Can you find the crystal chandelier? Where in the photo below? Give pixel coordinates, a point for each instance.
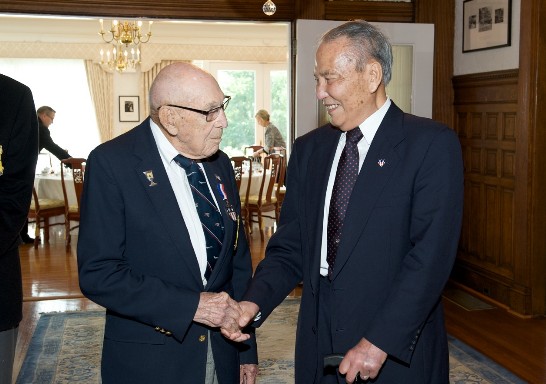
(269, 8)
(125, 38)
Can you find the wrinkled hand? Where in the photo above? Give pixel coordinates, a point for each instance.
(248, 373)
(220, 310)
(365, 358)
(248, 312)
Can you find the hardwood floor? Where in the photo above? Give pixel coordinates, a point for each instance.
(50, 284)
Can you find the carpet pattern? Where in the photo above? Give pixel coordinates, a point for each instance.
(66, 348)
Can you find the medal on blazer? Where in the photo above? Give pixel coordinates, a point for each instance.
(150, 176)
(1, 166)
(229, 208)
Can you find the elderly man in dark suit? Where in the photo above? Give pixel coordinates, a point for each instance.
(370, 224)
(148, 252)
(18, 156)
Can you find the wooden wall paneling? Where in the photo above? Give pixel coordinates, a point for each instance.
(442, 15)
(170, 9)
(532, 118)
(380, 11)
(490, 259)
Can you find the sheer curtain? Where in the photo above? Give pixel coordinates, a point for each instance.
(101, 89)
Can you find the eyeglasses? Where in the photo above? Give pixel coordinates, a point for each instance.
(210, 115)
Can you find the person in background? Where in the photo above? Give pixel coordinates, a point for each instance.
(273, 137)
(18, 156)
(147, 252)
(46, 115)
(370, 224)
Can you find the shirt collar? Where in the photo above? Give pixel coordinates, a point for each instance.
(370, 126)
(166, 149)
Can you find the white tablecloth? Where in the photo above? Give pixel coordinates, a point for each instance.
(255, 183)
(50, 187)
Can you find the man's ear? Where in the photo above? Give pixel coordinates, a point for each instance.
(168, 117)
(375, 76)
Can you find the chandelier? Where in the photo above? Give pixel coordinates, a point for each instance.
(125, 38)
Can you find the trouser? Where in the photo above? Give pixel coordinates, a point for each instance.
(210, 375)
(8, 342)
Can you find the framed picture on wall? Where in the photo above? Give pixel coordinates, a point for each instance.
(487, 24)
(129, 108)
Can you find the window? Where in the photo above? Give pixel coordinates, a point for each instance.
(252, 86)
(62, 85)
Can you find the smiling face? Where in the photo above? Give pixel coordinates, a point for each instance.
(350, 97)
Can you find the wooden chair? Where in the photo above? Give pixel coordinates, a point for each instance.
(238, 163)
(253, 149)
(43, 209)
(72, 212)
(281, 187)
(266, 199)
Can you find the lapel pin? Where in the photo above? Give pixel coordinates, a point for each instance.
(150, 176)
(381, 162)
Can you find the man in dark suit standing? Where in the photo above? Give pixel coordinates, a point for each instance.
(370, 225)
(46, 115)
(144, 247)
(18, 156)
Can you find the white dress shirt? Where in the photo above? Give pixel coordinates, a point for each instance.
(184, 197)
(369, 128)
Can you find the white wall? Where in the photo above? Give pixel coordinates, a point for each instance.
(126, 84)
(488, 60)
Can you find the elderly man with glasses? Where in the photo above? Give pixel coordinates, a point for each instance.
(161, 244)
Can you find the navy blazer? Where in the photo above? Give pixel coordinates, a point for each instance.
(136, 259)
(397, 248)
(19, 141)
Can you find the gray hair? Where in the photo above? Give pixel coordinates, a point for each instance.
(367, 41)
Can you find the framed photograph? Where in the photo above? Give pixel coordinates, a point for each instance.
(487, 24)
(129, 108)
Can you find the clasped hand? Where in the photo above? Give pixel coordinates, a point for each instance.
(221, 311)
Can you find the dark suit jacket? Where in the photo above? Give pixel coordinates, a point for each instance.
(397, 248)
(19, 141)
(47, 142)
(136, 259)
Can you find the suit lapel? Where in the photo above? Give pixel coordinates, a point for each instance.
(320, 162)
(151, 172)
(376, 171)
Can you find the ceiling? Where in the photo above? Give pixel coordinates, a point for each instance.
(26, 28)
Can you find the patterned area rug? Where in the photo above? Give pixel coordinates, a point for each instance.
(66, 348)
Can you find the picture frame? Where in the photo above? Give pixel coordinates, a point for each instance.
(129, 109)
(487, 24)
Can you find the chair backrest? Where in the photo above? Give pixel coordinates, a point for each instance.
(240, 164)
(272, 166)
(253, 148)
(279, 150)
(78, 171)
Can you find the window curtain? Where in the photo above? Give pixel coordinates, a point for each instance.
(101, 88)
(148, 78)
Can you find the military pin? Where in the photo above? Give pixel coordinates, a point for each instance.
(150, 176)
(381, 162)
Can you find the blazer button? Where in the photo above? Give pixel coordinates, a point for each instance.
(168, 333)
(202, 338)
(157, 329)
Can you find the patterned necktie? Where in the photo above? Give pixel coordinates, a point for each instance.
(347, 172)
(210, 216)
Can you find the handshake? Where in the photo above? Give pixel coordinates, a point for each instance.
(221, 311)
